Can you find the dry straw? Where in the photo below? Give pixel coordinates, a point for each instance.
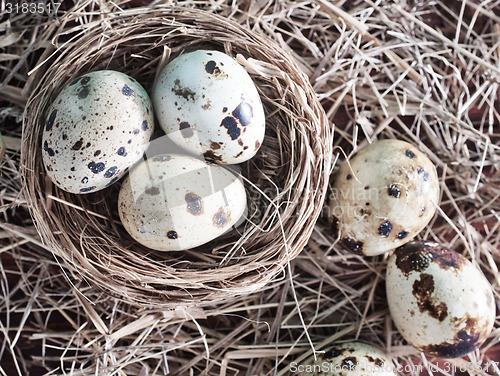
(286, 181)
(379, 72)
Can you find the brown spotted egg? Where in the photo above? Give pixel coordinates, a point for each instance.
(347, 359)
(176, 202)
(208, 104)
(96, 129)
(384, 196)
(439, 301)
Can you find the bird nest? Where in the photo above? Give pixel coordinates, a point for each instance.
(285, 182)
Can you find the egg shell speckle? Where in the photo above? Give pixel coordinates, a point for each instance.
(348, 359)
(96, 129)
(177, 202)
(384, 197)
(208, 104)
(440, 303)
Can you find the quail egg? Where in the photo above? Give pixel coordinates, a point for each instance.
(348, 359)
(96, 129)
(208, 104)
(176, 202)
(440, 302)
(384, 196)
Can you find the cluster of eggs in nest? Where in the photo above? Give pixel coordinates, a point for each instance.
(99, 127)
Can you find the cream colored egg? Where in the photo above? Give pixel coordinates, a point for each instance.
(177, 202)
(347, 359)
(384, 196)
(96, 129)
(440, 302)
(208, 104)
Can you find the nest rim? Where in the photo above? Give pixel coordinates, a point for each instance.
(297, 144)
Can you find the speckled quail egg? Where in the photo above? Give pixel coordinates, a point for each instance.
(176, 202)
(208, 104)
(348, 359)
(440, 302)
(384, 196)
(96, 129)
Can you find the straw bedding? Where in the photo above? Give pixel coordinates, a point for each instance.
(425, 72)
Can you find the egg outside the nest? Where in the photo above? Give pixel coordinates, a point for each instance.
(96, 129)
(208, 104)
(439, 301)
(176, 202)
(384, 196)
(347, 359)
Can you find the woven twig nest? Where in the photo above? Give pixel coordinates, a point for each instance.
(286, 182)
